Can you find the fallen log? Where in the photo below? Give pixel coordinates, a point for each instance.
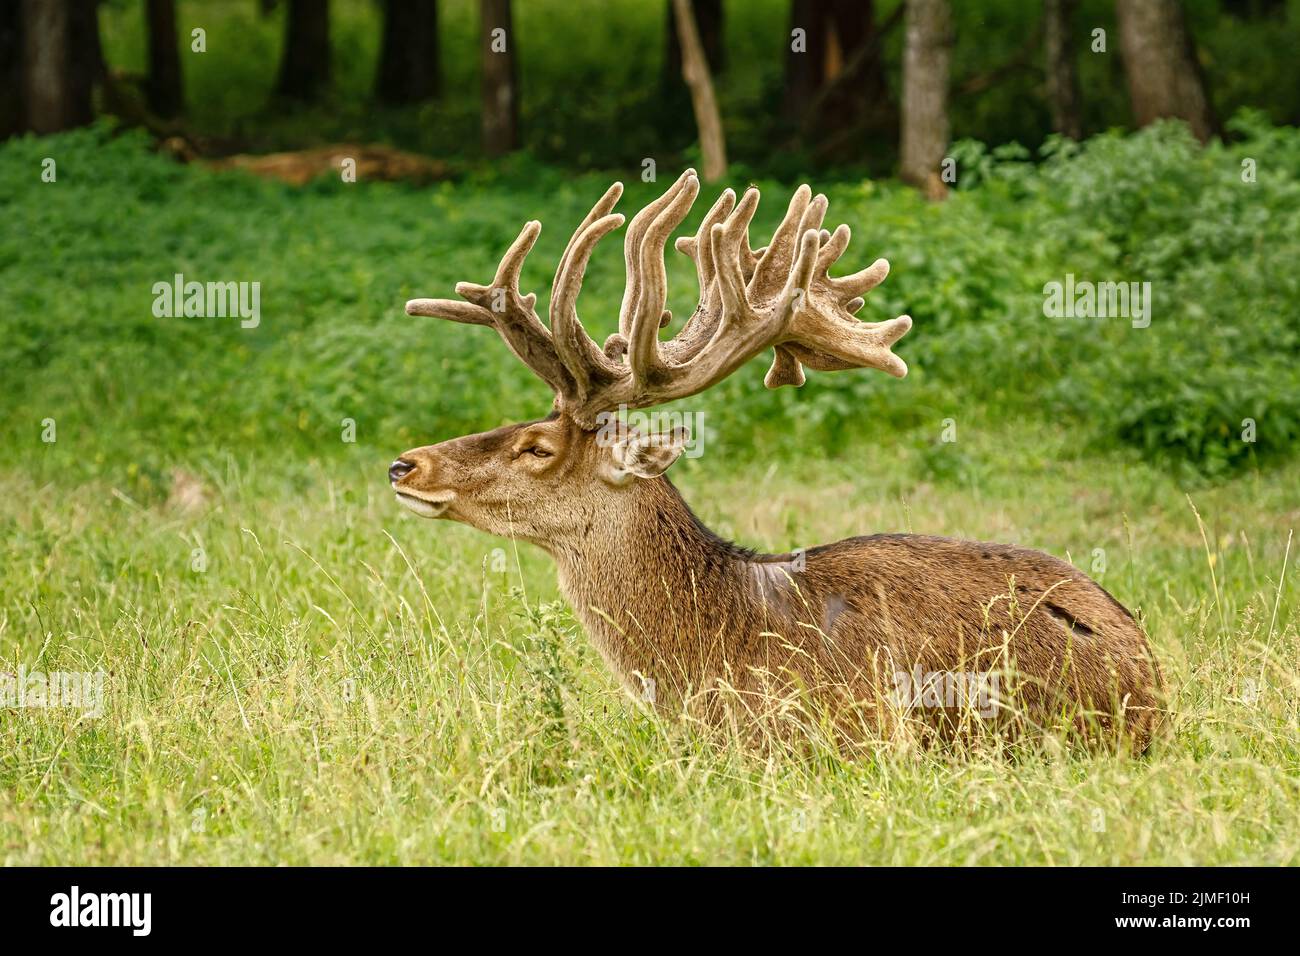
(373, 162)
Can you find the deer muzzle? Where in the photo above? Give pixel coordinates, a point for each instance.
(424, 503)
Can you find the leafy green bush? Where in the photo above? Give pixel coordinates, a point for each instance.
(1223, 346)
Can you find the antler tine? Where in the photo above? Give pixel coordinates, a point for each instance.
(726, 239)
(636, 231)
(860, 283)
(583, 358)
(604, 206)
(833, 247)
(703, 322)
(512, 263)
(773, 267)
(478, 308)
(643, 333)
(786, 368)
(830, 339)
(506, 280)
(697, 247)
(502, 307)
(576, 349)
(812, 220)
(801, 276)
(741, 331)
(838, 347)
(786, 302)
(452, 310)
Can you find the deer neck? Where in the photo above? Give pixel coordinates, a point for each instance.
(664, 598)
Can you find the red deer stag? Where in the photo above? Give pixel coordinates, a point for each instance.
(872, 632)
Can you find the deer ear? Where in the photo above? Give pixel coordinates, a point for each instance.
(636, 455)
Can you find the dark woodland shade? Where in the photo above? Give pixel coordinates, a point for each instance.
(11, 70)
(164, 82)
(836, 90)
(836, 102)
(409, 64)
(305, 65)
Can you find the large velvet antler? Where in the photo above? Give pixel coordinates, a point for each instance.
(780, 297)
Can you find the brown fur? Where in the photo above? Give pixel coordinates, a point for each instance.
(825, 633)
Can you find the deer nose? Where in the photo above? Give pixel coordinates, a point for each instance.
(400, 469)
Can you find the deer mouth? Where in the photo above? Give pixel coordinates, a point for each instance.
(426, 507)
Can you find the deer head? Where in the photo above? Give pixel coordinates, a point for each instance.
(543, 480)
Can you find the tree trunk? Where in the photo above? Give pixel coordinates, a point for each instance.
(854, 98)
(164, 84)
(851, 24)
(1062, 76)
(500, 79)
(805, 57)
(60, 63)
(837, 94)
(1164, 77)
(11, 69)
(305, 65)
(709, 20)
(928, 46)
(695, 71)
(408, 60)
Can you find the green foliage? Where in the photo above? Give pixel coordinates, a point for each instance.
(1223, 344)
(336, 261)
(1220, 252)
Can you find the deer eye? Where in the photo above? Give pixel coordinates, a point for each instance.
(537, 451)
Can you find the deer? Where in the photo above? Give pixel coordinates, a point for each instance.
(864, 636)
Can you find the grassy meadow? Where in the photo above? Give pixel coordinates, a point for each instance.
(300, 671)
